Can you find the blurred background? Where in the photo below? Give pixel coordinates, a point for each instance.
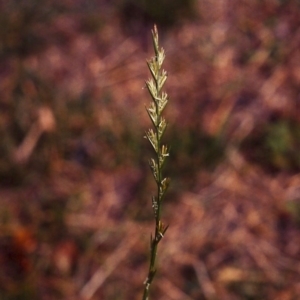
(75, 185)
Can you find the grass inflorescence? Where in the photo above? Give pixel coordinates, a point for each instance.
(159, 100)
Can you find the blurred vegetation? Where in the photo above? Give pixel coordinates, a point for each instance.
(275, 146)
(165, 13)
(74, 176)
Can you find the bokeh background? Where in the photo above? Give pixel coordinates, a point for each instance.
(75, 185)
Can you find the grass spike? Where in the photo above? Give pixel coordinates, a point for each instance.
(159, 100)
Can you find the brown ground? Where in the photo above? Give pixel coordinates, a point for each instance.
(75, 186)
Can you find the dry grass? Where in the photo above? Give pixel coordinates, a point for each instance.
(75, 208)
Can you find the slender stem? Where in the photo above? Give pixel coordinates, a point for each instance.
(160, 100)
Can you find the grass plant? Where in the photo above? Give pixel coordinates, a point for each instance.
(159, 100)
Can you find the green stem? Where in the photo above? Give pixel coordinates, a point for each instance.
(159, 98)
